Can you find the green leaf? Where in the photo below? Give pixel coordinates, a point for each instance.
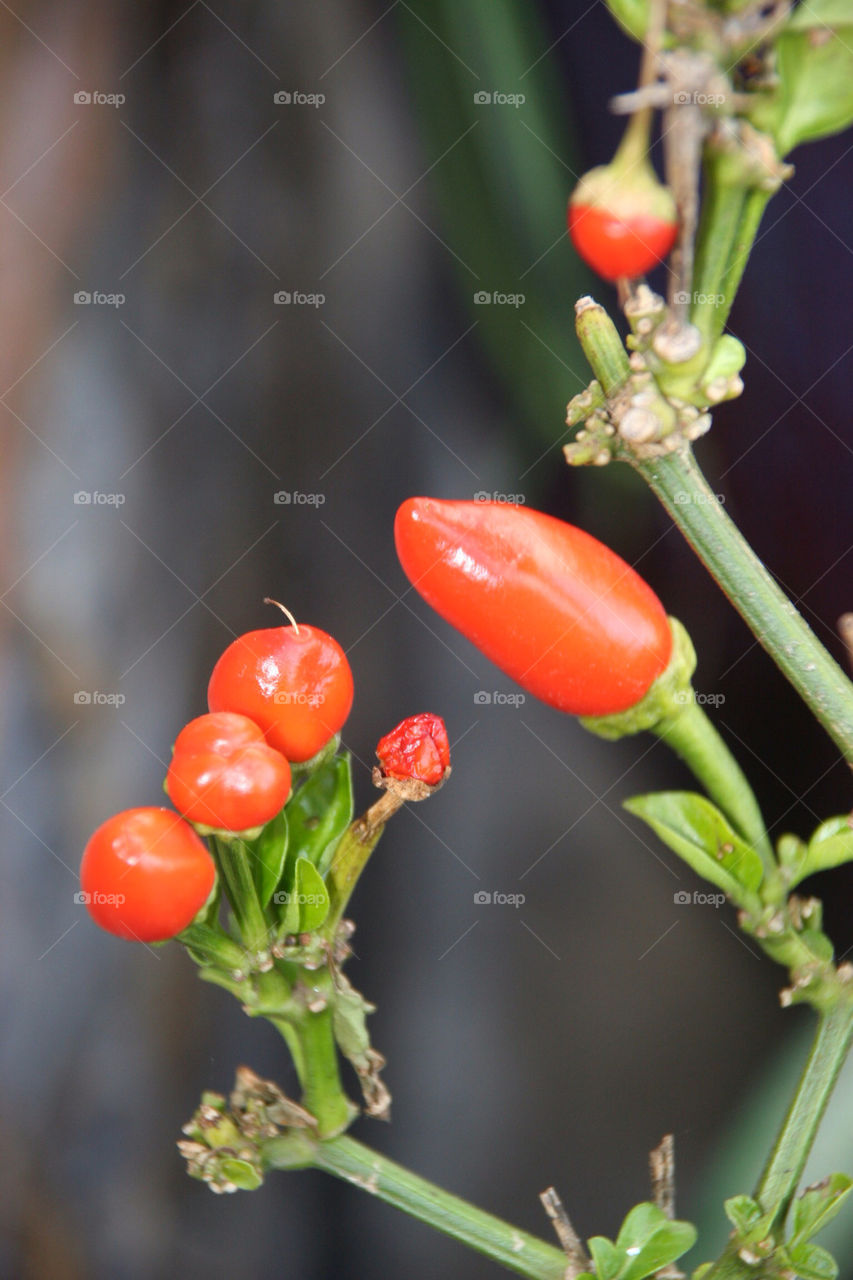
(640, 1224)
(267, 856)
(817, 1206)
(696, 830)
(669, 1242)
(813, 1263)
(830, 846)
(792, 853)
(632, 16)
(814, 97)
(818, 13)
(312, 896)
(743, 1213)
(320, 811)
(607, 1258)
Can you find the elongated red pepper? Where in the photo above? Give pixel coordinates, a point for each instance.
(555, 609)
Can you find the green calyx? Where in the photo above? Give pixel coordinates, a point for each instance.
(626, 190)
(666, 698)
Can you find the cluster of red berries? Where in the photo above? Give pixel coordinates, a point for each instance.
(276, 697)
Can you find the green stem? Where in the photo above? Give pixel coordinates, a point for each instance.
(512, 1248)
(692, 735)
(722, 211)
(787, 1160)
(351, 857)
(310, 1036)
(242, 893)
(680, 485)
(602, 345)
(753, 211)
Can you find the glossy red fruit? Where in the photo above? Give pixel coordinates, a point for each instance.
(416, 749)
(224, 774)
(146, 874)
(619, 237)
(555, 609)
(295, 682)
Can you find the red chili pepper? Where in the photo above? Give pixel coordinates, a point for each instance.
(621, 219)
(555, 609)
(145, 874)
(295, 682)
(417, 749)
(224, 774)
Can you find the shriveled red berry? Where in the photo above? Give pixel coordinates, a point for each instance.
(224, 774)
(416, 749)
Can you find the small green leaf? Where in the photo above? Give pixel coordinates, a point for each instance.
(670, 1241)
(814, 96)
(320, 811)
(608, 1260)
(640, 1224)
(830, 846)
(240, 1173)
(696, 830)
(312, 896)
(813, 1263)
(817, 1206)
(743, 1213)
(267, 855)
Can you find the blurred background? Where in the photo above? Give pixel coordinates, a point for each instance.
(243, 255)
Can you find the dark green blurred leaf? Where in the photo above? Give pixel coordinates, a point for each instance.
(267, 855)
(319, 812)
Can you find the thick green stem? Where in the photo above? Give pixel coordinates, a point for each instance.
(514, 1249)
(680, 485)
(692, 736)
(602, 345)
(787, 1160)
(322, 1091)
